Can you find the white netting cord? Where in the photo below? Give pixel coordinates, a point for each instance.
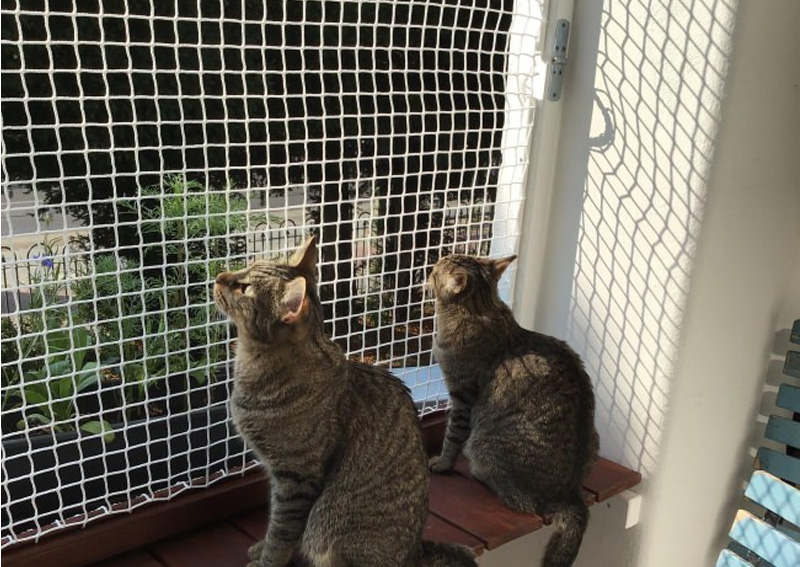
(145, 149)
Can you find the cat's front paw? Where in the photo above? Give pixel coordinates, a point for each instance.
(254, 553)
(439, 464)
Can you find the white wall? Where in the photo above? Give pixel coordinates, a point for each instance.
(745, 287)
(674, 250)
(625, 224)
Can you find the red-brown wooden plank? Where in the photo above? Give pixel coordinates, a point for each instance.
(436, 529)
(605, 480)
(470, 506)
(462, 468)
(138, 558)
(220, 546)
(608, 479)
(126, 532)
(433, 427)
(253, 524)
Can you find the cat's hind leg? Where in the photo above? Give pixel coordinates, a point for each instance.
(511, 494)
(369, 558)
(511, 487)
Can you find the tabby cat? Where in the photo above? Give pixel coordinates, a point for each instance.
(522, 403)
(340, 440)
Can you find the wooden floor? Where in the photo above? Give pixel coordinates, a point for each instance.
(225, 544)
(222, 545)
(461, 511)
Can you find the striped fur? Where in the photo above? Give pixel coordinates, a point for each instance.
(340, 440)
(522, 403)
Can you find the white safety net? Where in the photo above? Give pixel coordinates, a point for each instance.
(146, 146)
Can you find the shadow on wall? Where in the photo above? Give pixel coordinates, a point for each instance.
(660, 75)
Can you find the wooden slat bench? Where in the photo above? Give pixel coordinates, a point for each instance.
(170, 534)
(465, 503)
(772, 540)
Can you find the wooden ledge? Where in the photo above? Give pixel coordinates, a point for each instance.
(467, 505)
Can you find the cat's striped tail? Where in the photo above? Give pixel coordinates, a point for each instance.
(570, 523)
(446, 555)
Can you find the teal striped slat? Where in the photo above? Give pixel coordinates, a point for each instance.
(740, 550)
(774, 494)
(767, 542)
(729, 559)
(794, 336)
(792, 365)
(783, 431)
(788, 398)
(779, 464)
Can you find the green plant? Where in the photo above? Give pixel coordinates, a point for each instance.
(9, 354)
(122, 321)
(190, 234)
(50, 389)
(126, 314)
(24, 336)
(198, 229)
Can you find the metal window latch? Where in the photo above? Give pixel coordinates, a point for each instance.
(558, 64)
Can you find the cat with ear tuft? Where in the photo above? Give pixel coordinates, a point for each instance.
(522, 405)
(340, 440)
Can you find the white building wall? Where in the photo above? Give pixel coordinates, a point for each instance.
(674, 252)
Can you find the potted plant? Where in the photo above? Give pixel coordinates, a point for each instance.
(114, 383)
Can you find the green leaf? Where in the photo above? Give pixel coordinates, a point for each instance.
(200, 375)
(58, 341)
(110, 359)
(89, 376)
(133, 372)
(81, 337)
(34, 418)
(82, 340)
(35, 375)
(99, 426)
(62, 410)
(59, 367)
(80, 357)
(62, 388)
(35, 397)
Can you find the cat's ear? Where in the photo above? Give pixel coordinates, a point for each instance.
(293, 301)
(304, 259)
(455, 283)
(499, 266)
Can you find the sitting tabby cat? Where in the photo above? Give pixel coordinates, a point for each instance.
(340, 440)
(522, 403)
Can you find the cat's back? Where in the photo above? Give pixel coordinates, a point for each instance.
(538, 370)
(381, 420)
(540, 397)
(379, 474)
(544, 356)
(379, 401)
